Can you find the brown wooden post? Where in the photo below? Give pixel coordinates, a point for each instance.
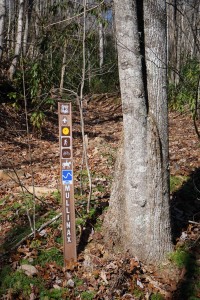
(67, 183)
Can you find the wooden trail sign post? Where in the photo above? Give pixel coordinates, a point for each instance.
(67, 184)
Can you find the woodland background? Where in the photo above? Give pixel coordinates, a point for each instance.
(66, 50)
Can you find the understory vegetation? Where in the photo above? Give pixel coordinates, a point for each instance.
(69, 54)
(98, 272)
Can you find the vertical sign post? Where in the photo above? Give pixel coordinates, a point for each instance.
(67, 184)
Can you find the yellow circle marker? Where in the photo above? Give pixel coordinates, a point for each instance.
(65, 131)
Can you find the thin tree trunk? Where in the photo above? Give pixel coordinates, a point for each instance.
(28, 12)
(63, 68)
(101, 56)
(18, 42)
(8, 33)
(25, 37)
(89, 69)
(2, 22)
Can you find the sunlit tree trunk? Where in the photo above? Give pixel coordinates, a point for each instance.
(25, 37)
(28, 13)
(183, 34)
(64, 60)
(9, 20)
(37, 15)
(18, 41)
(101, 45)
(2, 22)
(138, 218)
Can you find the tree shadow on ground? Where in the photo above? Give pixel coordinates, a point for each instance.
(14, 235)
(90, 224)
(19, 233)
(185, 204)
(185, 208)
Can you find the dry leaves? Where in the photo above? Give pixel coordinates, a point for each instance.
(98, 270)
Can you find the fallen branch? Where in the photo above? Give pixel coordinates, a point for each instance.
(19, 182)
(49, 222)
(193, 222)
(37, 230)
(159, 286)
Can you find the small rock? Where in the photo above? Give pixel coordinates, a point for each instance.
(58, 281)
(184, 236)
(111, 266)
(55, 286)
(103, 276)
(43, 232)
(198, 262)
(32, 296)
(68, 275)
(70, 283)
(139, 283)
(28, 175)
(29, 270)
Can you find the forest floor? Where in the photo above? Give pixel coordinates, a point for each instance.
(32, 268)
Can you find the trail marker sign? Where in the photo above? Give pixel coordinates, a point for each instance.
(67, 184)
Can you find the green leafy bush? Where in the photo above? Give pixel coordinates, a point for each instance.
(37, 119)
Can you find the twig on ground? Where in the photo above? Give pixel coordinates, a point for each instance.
(18, 181)
(193, 222)
(37, 230)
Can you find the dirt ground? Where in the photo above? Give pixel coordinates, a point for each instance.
(104, 274)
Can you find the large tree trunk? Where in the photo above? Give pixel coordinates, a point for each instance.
(138, 217)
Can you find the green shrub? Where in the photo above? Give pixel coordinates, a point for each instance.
(157, 296)
(176, 182)
(49, 255)
(87, 295)
(182, 258)
(53, 294)
(19, 282)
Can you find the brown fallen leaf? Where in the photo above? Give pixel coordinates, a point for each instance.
(103, 276)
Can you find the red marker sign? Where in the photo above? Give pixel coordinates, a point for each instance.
(67, 185)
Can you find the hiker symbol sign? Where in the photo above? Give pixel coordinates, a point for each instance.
(67, 185)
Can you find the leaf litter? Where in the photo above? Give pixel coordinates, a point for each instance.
(98, 273)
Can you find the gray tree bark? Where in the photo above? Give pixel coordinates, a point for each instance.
(138, 217)
(18, 41)
(2, 22)
(28, 13)
(183, 34)
(101, 44)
